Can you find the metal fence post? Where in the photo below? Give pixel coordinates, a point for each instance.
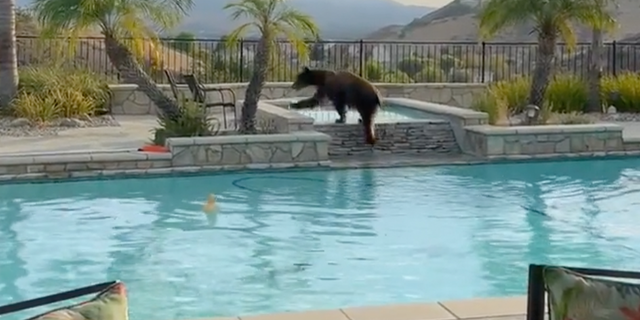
(482, 79)
(361, 57)
(241, 53)
(613, 58)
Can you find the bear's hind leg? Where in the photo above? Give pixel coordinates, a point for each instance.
(341, 108)
(368, 126)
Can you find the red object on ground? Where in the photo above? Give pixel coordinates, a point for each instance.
(154, 148)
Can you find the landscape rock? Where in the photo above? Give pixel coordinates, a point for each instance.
(21, 127)
(19, 122)
(71, 123)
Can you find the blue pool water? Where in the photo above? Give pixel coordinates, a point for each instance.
(388, 113)
(320, 239)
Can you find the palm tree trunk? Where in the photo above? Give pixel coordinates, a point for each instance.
(544, 64)
(595, 71)
(131, 72)
(252, 95)
(8, 58)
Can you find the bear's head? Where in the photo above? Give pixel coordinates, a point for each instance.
(310, 77)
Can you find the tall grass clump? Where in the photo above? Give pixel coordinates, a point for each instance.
(49, 93)
(567, 94)
(622, 92)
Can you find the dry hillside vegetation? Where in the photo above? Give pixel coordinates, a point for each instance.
(457, 22)
(86, 52)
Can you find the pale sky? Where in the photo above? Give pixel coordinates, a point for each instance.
(428, 3)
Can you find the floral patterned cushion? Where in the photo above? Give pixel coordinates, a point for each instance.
(110, 304)
(573, 296)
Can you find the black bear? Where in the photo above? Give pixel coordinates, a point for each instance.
(344, 89)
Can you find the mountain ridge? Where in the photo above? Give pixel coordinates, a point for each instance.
(457, 21)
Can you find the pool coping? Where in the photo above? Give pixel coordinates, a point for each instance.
(164, 168)
(485, 308)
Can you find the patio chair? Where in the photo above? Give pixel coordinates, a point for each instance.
(200, 96)
(71, 294)
(538, 289)
(172, 84)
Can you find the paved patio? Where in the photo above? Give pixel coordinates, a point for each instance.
(512, 308)
(133, 132)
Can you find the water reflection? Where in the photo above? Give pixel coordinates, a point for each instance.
(558, 205)
(12, 266)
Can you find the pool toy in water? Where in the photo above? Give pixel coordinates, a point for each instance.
(210, 205)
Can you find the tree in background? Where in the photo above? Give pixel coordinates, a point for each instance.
(8, 57)
(118, 20)
(596, 57)
(185, 42)
(552, 20)
(273, 19)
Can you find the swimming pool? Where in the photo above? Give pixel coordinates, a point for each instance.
(317, 239)
(386, 114)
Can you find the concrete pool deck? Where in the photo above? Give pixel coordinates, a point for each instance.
(511, 308)
(133, 132)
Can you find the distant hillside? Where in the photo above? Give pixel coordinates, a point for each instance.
(457, 22)
(337, 19)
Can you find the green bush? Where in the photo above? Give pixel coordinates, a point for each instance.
(622, 92)
(191, 122)
(566, 97)
(47, 93)
(397, 77)
(567, 93)
(412, 65)
(461, 76)
(373, 71)
(514, 92)
(497, 109)
(431, 74)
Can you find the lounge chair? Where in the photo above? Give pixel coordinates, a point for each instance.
(172, 84)
(569, 295)
(71, 294)
(200, 95)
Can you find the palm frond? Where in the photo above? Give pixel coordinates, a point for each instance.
(496, 15)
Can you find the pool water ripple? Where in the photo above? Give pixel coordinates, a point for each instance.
(319, 239)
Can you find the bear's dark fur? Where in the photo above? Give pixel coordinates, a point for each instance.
(344, 89)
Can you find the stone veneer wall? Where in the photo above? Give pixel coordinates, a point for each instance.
(492, 141)
(430, 137)
(298, 147)
(127, 99)
(81, 165)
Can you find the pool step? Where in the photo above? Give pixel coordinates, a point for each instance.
(433, 136)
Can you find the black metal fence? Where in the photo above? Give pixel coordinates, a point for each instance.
(215, 61)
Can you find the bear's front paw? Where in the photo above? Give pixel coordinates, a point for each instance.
(341, 120)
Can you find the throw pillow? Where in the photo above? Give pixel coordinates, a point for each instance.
(110, 304)
(574, 296)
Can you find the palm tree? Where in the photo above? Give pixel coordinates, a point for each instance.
(595, 61)
(117, 20)
(8, 58)
(551, 19)
(272, 19)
